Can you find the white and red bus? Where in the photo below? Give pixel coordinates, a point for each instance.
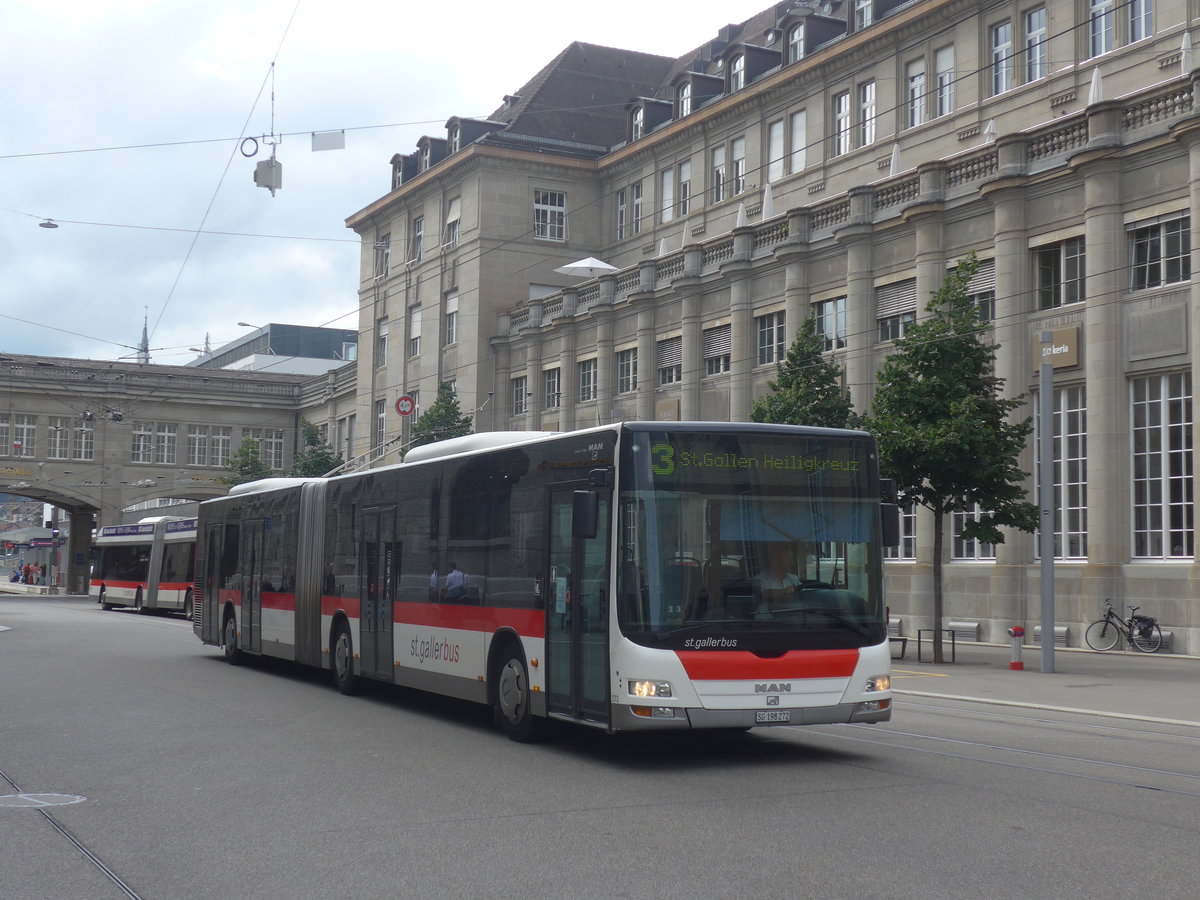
(149, 565)
(615, 577)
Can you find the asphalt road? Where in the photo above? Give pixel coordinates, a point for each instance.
(200, 780)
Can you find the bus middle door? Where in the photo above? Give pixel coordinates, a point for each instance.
(577, 609)
(252, 554)
(380, 569)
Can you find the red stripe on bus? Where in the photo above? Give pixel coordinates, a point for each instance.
(717, 665)
(109, 582)
(526, 622)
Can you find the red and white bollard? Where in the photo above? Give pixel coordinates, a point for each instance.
(1017, 633)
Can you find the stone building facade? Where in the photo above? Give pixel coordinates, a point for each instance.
(834, 160)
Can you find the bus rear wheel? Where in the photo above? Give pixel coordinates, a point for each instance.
(514, 699)
(233, 655)
(341, 660)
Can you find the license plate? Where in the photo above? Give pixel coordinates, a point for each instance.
(769, 716)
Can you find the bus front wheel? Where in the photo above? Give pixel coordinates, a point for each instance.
(104, 604)
(514, 698)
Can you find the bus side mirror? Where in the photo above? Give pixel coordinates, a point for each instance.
(889, 515)
(585, 514)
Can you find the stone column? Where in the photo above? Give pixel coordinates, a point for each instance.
(745, 349)
(1108, 470)
(692, 348)
(647, 361)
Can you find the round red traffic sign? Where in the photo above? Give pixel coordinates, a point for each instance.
(405, 405)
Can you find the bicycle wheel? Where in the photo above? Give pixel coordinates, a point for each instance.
(1101, 635)
(1147, 639)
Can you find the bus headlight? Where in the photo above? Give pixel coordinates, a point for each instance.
(649, 688)
(879, 683)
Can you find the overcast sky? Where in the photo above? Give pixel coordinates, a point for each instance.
(120, 119)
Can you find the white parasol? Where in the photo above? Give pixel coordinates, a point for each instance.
(586, 268)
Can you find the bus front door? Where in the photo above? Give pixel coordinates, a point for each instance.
(380, 565)
(577, 615)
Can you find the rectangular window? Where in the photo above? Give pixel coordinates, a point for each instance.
(383, 252)
(718, 347)
(635, 193)
(895, 308)
(670, 361)
(378, 429)
(551, 391)
(775, 151)
(1070, 471)
(718, 174)
(587, 380)
(166, 440)
(381, 336)
(1035, 44)
(908, 533)
(738, 155)
(916, 93)
(453, 215)
(1141, 19)
(416, 245)
(220, 445)
(894, 327)
(83, 440)
(1101, 26)
(414, 331)
(197, 445)
(1162, 253)
(667, 195)
(866, 114)
(345, 437)
(519, 392)
(1163, 495)
(142, 450)
(1002, 52)
(59, 445)
(621, 213)
(684, 204)
(968, 548)
(830, 320)
(841, 123)
(943, 62)
(799, 138)
(452, 317)
(627, 371)
(1061, 272)
(549, 215)
(771, 346)
(24, 436)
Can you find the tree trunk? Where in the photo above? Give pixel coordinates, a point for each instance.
(939, 519)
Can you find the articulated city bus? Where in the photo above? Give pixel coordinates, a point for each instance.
(616, 577)
(149, 565)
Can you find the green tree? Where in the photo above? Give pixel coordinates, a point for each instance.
(944, 431)
(444, 419)
(316, 457)
(808, 388)
(246, 465)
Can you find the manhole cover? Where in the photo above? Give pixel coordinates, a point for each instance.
(37, 801)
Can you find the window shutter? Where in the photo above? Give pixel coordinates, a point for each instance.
(718, 341)
(896, 299)
(670, 352)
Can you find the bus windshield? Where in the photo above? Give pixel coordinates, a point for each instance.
(763, 540)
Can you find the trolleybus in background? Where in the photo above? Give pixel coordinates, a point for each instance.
(150, 565)
(616, 577)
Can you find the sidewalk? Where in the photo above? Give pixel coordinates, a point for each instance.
(1122, 683)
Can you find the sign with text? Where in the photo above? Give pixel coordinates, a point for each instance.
(1063, 350)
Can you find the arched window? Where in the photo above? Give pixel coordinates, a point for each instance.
(796, 43)
(737, 73)
(683, 100)
(639, 123)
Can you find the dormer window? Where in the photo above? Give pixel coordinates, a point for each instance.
(425, 158)
(454, 139)
(683, 100)
(864, 14)
(639, 124)
(796, 43)
(737, 73)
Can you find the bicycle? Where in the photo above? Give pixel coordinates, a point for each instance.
(1142, 632)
